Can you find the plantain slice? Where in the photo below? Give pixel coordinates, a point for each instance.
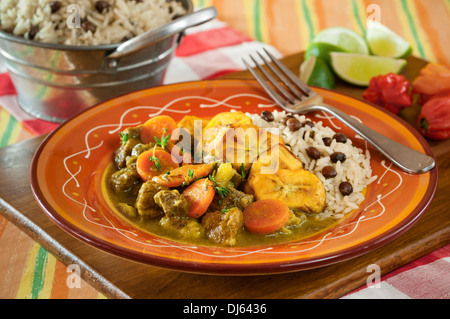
(188, 122)
(228, 118)
(279, 174)
(237, 143)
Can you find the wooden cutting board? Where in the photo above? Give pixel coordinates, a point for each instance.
(120, 278)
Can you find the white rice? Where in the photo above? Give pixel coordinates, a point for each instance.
(355, 169)
(124, 19)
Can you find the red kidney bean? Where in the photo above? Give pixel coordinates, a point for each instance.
(329, 172)
(293, 124)
(327, 141)
(338, 157)
(340, 137)
(287, 117)
(102, 6)
(267, 116)
(313, 152)
(345, 188)
(309, 123)
(55, 6)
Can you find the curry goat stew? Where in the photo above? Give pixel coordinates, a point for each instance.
(157, 183)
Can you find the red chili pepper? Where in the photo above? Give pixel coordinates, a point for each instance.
(424, 98)
(434, 118)
(391, 91)
(433, 79)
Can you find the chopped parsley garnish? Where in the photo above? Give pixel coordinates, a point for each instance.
(222, 191)
(156, 160)
(124, 137)
(191, 173)
(189, 178)
(166, 176)
(225, 210)
(163, 141)
(243, 172)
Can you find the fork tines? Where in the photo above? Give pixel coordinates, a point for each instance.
(289, 88)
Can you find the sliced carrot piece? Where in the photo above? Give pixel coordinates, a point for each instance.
(158, 126)
(155, 162)
(184, 175)
(199, 195)
(266, 216)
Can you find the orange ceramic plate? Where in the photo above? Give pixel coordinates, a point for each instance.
(67, 169)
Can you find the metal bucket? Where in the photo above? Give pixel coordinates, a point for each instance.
(54, 82)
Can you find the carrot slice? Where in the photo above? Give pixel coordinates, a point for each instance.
(266, 216)
(184, 175)
(199, 195)
(155, 162)
(158, 126)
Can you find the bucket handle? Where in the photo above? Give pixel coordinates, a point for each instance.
(110, 62)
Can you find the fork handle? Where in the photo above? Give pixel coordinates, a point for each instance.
(404, 157)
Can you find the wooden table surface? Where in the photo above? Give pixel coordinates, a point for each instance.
(120, 278)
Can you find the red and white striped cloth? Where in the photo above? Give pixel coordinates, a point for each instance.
(215, 49)
(425, 278)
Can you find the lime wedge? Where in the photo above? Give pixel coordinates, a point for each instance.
(321, 50)
(315, 71)
(358, 69)
(344, 38)
(384, 42)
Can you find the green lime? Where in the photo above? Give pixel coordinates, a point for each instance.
(321, 50)
(344, 38)
(315, 71)
(358, 69)
(384, 42)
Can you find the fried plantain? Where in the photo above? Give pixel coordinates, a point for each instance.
(279, 174)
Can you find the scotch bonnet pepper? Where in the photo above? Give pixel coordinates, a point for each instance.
(434, 118)
(433, 79)
(391, 91)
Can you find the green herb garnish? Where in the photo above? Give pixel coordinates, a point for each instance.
(243, 172)
(191, 173)
(124, 137)
(156, 160)
(163, 141)
(225, 210)
(222, 191)
(188, 178)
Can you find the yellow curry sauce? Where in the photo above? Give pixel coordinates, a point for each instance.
(303, 221)
(309, 227)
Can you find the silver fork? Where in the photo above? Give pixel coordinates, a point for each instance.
(297, 97)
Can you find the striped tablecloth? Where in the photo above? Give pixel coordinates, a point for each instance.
(286, 27)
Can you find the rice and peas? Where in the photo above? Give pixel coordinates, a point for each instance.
(351, 165)
(85, 22)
